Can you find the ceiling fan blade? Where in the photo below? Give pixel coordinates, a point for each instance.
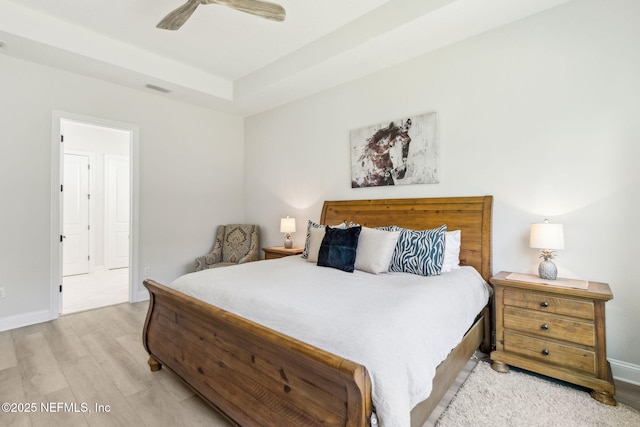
(264, 9)
(175, 19)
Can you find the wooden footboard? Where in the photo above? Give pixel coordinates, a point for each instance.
(252, 374)
(256, 376)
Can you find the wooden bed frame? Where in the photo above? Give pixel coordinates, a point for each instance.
(256, 376)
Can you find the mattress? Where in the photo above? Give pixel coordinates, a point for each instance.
(399, 326)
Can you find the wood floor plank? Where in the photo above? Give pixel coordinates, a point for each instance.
(85, 322)
(202, 414)
(26, 330)
(39, 369)
(7, 352)
(113, 322)
(58, 409)
(121, 367)
(15, 420)
(132, 344)
(173, 385)
(12, 391)
(91, 385)
(169, 381)
(156, 407)
(132, 314)
(63, 340)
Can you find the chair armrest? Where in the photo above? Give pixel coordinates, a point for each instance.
(213, 257)
(200, 263)
(254, 250)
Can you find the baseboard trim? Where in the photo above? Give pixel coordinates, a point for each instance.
(26, 319)
(627, 372)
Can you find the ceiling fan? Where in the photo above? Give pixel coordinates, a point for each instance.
(175, 19)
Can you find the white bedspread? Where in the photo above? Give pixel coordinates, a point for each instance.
(400, 326)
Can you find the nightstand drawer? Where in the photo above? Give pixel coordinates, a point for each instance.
(276, 252)
(564, 356)
(549, 304)
(549, 326)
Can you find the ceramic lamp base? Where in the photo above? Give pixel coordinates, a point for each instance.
(547, 270)
(288, 243)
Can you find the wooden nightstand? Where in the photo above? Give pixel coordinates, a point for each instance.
(280, 252)
(553, 330)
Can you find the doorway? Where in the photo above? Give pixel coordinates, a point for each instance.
(96, 226)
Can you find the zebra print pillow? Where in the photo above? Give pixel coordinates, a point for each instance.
(419, 252)
(310, 225)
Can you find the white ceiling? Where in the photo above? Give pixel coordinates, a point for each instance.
(236, 62)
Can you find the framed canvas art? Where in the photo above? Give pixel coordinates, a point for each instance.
(399, 152)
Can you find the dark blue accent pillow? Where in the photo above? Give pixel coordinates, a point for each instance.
(338, 248)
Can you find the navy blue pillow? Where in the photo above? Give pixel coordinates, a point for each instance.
(338, 248)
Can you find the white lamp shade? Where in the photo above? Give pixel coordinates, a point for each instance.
(287, 225)
(546, 236)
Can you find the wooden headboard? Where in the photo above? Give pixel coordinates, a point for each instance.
(471, 215)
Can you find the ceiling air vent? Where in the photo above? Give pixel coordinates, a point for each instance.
(158, 88)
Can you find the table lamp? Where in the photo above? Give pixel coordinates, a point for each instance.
(547, 237)
(287, 226)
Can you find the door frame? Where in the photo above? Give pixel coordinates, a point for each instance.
(57, 161)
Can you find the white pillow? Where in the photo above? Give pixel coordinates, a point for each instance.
(375, 249)
(310, 226)
(315, 241)
(451, 251)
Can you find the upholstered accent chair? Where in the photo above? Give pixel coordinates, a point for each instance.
(235, 244)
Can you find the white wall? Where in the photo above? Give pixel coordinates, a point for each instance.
(191, 177)
(542, 114)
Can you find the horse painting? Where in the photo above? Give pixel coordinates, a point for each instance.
(382, 159)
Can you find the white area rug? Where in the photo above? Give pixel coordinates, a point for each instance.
(489, 398)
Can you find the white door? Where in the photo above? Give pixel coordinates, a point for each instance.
(75, 247)
(117, 204)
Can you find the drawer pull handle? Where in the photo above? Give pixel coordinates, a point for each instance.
(544, 304)
(545, 352)
(544, 327)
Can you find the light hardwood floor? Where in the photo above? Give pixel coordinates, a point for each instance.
(95, 360)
